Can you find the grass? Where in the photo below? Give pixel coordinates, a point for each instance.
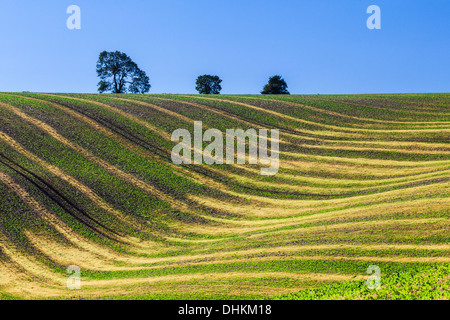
(87, 180)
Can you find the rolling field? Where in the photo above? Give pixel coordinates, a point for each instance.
(88, 180)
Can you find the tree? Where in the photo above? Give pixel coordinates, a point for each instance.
(119, 74)
(276, 85)
(140, 83)
(208, 84)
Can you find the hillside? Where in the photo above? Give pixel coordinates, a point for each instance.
(88, 180)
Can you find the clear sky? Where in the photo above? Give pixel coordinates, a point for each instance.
(318, 46)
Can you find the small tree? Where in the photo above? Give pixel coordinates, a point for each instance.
(276, 85)
(119, 74)
(208, 84)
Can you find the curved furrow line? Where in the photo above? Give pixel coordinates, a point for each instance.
(61, 200)
(375, 107)
(341, 115)
(26, 268)
(347, 227)
(318, 139)
(277, 253)
(330, 127)
(293, 181)
(131, 142)
(295, 132)
(217, 176)
(263, 208)
(149, 147)
(422, 148)
(110, 128)
(163, 110)
(337, 147)
(127, 115)
(66, 231)
(397, 145)
(368, 161)
(146, 149)
(242, 276)
(146, 272)
(353, 148)
(141, 184)
(100, 162)
(304, 225)
(95, 198)
(354, 197)
(313, 192)
(214, 178)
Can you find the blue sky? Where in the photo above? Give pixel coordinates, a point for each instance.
(318, 46)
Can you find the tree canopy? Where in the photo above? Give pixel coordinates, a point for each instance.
(276, 85)
(119, 74)
(208, 84)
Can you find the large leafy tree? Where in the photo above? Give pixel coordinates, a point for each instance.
(276, 85)
(119, 74)
(208, 84)
(140, 83)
